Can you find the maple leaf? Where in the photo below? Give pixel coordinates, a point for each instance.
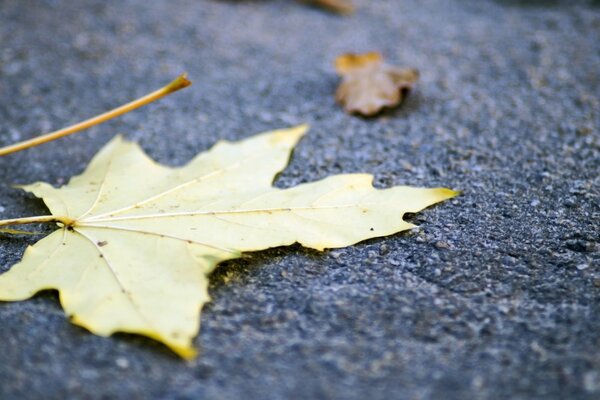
(138, 239)
(369, 84)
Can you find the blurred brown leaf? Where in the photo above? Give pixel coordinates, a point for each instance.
(338, 6)
(369, 84)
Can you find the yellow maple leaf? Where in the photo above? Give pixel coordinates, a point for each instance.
(137, 240)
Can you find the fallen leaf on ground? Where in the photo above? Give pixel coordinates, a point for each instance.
(338, 6)
(369, 84)
(137, 240)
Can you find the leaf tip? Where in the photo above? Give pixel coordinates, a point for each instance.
(290, 136)
(446, 194)
(188, 353)
(299, 130)
(452, 192)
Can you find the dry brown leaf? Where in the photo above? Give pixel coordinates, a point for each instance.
(338, 6)
(369, 84)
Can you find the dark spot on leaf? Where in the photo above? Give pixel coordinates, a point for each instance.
(372, 229)
(102, 243)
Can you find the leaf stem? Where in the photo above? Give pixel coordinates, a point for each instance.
(179, 83)
(17, 232)
(36, 220)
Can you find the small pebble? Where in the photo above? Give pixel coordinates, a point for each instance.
(384, 249)
(570, 202)
(442, 245)
(122, 363)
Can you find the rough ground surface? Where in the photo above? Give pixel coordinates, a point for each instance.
(496, 295)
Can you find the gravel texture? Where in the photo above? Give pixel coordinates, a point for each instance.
(496, 295)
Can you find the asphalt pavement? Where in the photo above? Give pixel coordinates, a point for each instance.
(495, 295)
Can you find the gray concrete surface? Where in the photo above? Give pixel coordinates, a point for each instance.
(495, 296)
